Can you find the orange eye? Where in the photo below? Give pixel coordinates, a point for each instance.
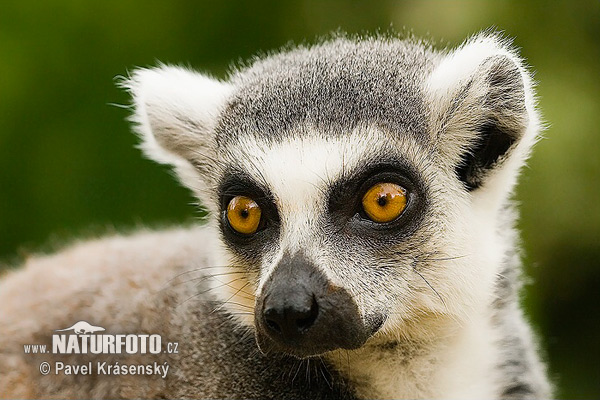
(243, 214)
(384, 202)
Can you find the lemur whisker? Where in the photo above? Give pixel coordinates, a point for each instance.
(228, 302)
(320, 189)
(299, 367)
(429, 284)
(249, 296)
(199, 278)
(320, 178)
(201, 269)
(205, 291)
(324, 372)
(307, 372)
(427, 259)
(238, 305)
(258, 170)
(242, 294)
(231, 297)
(235, 193)
(247, 334)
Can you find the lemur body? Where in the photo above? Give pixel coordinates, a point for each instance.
(360, 244)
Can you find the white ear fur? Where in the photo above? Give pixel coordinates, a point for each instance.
(175, 112)
(456, 91)
(460, 64)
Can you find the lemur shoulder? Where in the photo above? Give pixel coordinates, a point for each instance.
(360, 240)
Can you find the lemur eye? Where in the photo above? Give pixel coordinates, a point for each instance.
(243, 215)
(384, 202)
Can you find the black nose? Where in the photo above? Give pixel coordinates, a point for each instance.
(291, 316)
(300, 312)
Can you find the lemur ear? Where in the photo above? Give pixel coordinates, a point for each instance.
(175, 112)
(483, 111)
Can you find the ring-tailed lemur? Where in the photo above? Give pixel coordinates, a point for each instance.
(360, 244)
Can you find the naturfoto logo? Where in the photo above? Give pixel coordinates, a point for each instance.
(85, 338)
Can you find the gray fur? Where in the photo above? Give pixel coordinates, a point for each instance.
(335, 86)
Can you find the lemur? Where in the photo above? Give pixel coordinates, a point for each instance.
(360, 240)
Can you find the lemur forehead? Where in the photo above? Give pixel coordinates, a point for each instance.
(299, 171)
(337, 85)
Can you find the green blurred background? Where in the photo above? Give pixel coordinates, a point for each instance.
(69, 167)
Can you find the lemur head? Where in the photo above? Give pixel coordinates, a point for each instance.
(357, 185)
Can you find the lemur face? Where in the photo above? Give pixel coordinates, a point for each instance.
(356, 186)
(333, 231)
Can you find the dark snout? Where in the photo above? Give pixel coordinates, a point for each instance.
(301, 313)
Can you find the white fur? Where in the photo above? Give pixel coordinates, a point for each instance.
(449, 362)
(460, 64)
(161, 97)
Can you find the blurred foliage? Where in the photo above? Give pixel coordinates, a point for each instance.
(69, 167)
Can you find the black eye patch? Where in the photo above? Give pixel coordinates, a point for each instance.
(345, 201)
(237, 183)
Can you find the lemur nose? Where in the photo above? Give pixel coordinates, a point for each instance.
(290, 316)
(300, 312)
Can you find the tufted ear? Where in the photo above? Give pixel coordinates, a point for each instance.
(175, 113)
(483, 111)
